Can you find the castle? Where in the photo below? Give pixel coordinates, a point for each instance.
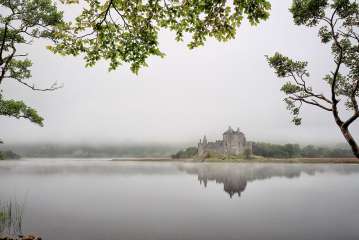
(233, 143)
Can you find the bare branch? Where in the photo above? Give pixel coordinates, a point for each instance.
(123, 19)
(311, 102)
(106, 11)
(302, 84)
(53, 87)
(355, 106)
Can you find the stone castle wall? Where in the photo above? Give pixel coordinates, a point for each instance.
(216, 147)
(233, 143)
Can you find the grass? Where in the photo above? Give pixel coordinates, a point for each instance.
(11, 216)
(259, 159)
(243, 159)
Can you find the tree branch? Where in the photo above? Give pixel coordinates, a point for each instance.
(53, 87)
(3, 44)
(305, 88)
(110, 3)
(312, 102)
(336, 72)
(7, 61)
(355, 106)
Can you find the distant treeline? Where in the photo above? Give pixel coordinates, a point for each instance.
(156, 150)
(281, 151)
(8, 155)
(92, 151)
(185, 153)
(295, 150)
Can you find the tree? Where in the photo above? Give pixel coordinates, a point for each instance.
(22, 21)
(123, 31)
(292, 150)
(339, 22)
(186, 153)
(247, 153)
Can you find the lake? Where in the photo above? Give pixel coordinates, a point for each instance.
(127, 200)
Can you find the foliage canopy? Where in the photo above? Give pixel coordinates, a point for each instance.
(122, 31)
(339, 26)
(22, 21)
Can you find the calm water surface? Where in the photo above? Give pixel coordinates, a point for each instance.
(98, 199)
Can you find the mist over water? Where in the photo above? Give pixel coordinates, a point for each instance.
(100, 199)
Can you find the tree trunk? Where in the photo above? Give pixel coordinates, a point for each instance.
(345, 131)
(351, 141)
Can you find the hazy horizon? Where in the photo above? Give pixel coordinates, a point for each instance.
(180, 98)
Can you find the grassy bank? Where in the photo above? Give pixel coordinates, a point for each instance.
(286, 160)
(255, 159)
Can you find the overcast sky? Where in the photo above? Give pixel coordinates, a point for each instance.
(181, 97)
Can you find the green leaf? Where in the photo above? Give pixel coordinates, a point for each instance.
(18, 109)
(122, 31)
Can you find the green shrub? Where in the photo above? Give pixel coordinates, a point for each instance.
(186, 153)
(9, 155)
(294, 150)
(247, 153)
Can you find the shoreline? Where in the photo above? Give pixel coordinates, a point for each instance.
(260, 160)
(218, 160)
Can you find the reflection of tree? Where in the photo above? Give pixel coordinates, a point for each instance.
(79, 167)
(11, 214)
(234, 177)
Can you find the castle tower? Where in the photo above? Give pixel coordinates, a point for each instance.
(202, 146)
(233, 141)
(204, 139)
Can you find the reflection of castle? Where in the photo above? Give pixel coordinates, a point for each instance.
(235, 177)
(233, 143)
(233, 182)
(230, 185)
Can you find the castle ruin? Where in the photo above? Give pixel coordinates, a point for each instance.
(233, 143)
